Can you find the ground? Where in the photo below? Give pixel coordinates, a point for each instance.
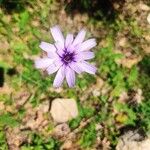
(115, 99)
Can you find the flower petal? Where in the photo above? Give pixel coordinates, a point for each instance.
(88, 44)
(84, 56)
(87, 67)
(71, 48)
(70, 76)
(69, 40)
(54, 67)
(80, 37)
(57, 35)
(43, 62)
(49, 48)
(59, 77)
(60, 50)
(76, 67)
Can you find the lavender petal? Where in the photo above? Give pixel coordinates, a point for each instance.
(76, 67)
(57, 35)
(88, 44)
(49, 48)
(43, 62)
(71, 48)
(54, 67)
(80, 37)
(84, 56)
(69, 40)
(59, 77)
(91, 69)
(70, 76)
(60, 50)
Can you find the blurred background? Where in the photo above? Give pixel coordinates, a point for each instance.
(113, 106)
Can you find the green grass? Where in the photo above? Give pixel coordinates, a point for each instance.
(40, 143)
(3, 143)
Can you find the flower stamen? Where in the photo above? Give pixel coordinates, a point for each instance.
(67, 57)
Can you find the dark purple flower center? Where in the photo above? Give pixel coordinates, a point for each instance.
(67, 57)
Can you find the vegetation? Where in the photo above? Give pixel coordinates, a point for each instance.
(122, 59)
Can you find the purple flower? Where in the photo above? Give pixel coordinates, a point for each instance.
(67, 56)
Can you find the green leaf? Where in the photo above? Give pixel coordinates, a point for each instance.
(40, 143)
(133, 76)
(24, 18)
(88, 136)
(131, 115)
(18, 46)
(3, 142)
(4, 65)
(7, 119)
(74, 123)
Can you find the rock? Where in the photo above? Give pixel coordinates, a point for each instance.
(146, 49)
(6, 89)
(63, 110)
(35, 118)
(144, 7)
(61, 130)
(2, 106)
(123, 42)
(44, 107)
(15, 138)
(145, 145)
(96, 88)
(148, 18)
(123, 97)
(21, 98)
(35, 123)
(98, 127)
(105, 144)
(96, 93)
(4, 45)
(147, 38)
(129, 62)
(132, 140)
(138, 97)
(67, 145)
